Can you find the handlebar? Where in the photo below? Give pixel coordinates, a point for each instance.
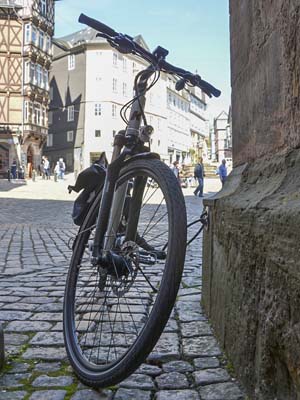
(126, 44)
(97, 25)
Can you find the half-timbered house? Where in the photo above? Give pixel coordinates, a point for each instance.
(26, 30)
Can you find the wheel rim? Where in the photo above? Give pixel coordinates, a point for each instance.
(107, 323)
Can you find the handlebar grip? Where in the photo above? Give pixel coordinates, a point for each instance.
(208, 88)
(93, 23)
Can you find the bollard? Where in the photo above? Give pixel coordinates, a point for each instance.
(2, 353)
(55, 177)
(8, 175)
(33, 175)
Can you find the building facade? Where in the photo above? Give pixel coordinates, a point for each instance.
(199, 125)
(27, 28)
(222, 136)
(90, 82)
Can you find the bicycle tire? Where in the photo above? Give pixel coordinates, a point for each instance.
(169, 272)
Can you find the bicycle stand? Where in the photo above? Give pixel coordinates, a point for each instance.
(203, 220)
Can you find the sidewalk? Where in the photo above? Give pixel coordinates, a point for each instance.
(186, 364)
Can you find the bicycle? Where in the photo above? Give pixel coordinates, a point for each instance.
(126, 265)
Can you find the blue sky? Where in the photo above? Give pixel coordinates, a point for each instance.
(196, 32)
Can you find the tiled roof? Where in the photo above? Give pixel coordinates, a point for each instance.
(87, 35)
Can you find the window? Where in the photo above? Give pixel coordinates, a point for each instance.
(115, 59)
(114, 85)
(50, 117)
(43, 8)
(71, 62)
(44, 116)
(27, 33)
(114, 110)
(27, 72)
(32, 77)
(97, 133)
(45, 82)
(26, 111)
(70, 136)
(48, 44)
(124, 89)
(39, 75)
(37, 114)
(71, 113)
(33, 34)
(51, 93)
(97, 109)
(49, 140)
(124, 64)
(41, 40)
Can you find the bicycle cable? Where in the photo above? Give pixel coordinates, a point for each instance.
(127, 106)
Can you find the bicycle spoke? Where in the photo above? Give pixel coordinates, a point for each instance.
(112, 309)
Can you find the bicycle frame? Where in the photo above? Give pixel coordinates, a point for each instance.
(112, 203)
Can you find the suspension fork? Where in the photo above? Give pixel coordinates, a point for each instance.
(135, 208)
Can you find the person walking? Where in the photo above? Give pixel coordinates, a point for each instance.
(222, 172)
(175, 169)
(46, 168)
(42, 168)
(56, 171)
(62, 168)
(13, 169)
(199, 175)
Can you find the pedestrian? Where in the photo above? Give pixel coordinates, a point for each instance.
(21, 172)
(56, 171)
(42, 168)
(175, 169)
(13, 169)
(199, 175)
(62, 168)
(222, 172)
(46, 168)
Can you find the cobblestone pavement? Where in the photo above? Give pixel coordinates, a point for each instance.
(34, 233)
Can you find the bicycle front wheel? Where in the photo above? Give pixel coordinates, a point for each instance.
(112, 320)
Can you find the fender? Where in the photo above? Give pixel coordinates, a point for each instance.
(142, 156)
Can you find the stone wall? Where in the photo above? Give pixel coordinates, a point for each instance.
(251, 265)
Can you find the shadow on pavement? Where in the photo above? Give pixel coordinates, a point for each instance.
(6, 186)
(35, 212)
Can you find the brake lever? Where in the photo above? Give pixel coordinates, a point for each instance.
(103, 35)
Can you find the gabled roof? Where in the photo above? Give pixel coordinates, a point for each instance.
(88, 35)
(222, 115)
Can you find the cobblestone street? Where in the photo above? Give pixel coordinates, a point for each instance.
(36, 226)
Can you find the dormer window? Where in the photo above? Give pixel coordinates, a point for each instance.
(71, 62)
